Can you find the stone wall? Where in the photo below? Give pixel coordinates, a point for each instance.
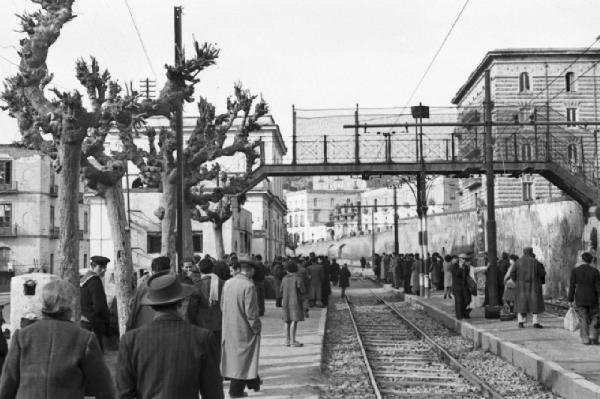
(556, 230)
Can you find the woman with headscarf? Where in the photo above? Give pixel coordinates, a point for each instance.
(54, 358)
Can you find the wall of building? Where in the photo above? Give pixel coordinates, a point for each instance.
(555, 230)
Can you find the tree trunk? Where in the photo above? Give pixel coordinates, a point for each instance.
(119, 228)
(169, 221)
(188, 244)
(68, 210)
(218, 232)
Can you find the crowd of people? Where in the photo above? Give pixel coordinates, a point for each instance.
(204, 323)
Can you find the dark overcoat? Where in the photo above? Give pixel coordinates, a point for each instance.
(278, 274)
(55, 359)
(200, 311)
(345, 277)
(94, 307)
(315, 288)
(168, 358)
(460, 289)
(529, 276)
(584, 286)
(139, 314)
(334, 272)
(292, 292)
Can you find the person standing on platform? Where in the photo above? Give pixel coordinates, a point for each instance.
(292, 291)
(139, 314)
(54, 358)
(168, 358)
(503, 265)
(363, 263)
(385, 270)
(258, 277)
(414, 276)
(305, 276)
(462, 296)
(437, 280)
(240, 344)
(344, 279)
(278, 272)
(406, 273)
(447, 277)
(377, 266)
(95, 316)
(334, 272)
(204, 309)
(315, 289)
(325, 284)
(396, 270)
(584, 293)
(529, 276)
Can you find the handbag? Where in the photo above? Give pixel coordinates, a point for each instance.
(571, 320)
(471, 285)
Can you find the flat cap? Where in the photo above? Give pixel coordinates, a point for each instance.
(100, 260)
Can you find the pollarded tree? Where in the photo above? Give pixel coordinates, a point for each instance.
(77, 134)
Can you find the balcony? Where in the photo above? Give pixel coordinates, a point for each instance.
(10, 187)
(8, 231)
(53, 232)
(54, 190)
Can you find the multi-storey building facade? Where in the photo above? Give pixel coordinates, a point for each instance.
(312, 212)
(29, 217)
(555, 85)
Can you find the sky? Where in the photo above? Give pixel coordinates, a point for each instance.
(311, 53)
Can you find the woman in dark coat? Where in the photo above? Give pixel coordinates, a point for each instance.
(54, 358)
(436, 272)
(344, 279)
(278, 273)
(462, 296)
(292, 291)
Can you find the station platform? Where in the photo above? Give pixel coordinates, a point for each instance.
(552, 355)
(289, 372)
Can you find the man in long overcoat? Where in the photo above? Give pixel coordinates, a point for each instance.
(584, 290)
(240, 344)
(462, 296)
(94, 307)
(529, 276)
(168, 358)
(315, 288)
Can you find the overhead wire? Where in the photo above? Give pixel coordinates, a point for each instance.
(139, 35)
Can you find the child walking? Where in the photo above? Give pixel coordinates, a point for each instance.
(344, 279)
(292, 291)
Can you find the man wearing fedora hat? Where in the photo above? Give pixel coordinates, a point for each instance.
(529, 276)
(240, 343)
(168, 358)
(94, 307)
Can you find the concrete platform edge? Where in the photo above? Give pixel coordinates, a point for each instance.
(322, 331)
(560, 380)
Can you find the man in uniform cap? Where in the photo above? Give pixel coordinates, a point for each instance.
(168, 358)
(94, 308)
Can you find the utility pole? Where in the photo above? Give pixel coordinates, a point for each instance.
(491, 206)
(179, 133)
(372, 235)
(396, 243)
(419, 112)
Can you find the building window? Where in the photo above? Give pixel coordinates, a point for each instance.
(572, 153)
(4, 258)
(197, 241)
(85, 222)
(526, 152)
(85, 263)
(571, 116)
(5, 172)
(51, 216)
(526, 190)
(523, 82)
(5, 215)
(525, 115)
(375, 205)
(569, 82)
(153, 243)
(315, 202)
(52, 263)
(331, 202)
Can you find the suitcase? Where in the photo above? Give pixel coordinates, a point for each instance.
(492, 312)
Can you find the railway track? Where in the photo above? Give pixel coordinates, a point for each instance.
(402, 361)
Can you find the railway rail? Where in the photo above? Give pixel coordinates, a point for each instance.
(403, 361)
